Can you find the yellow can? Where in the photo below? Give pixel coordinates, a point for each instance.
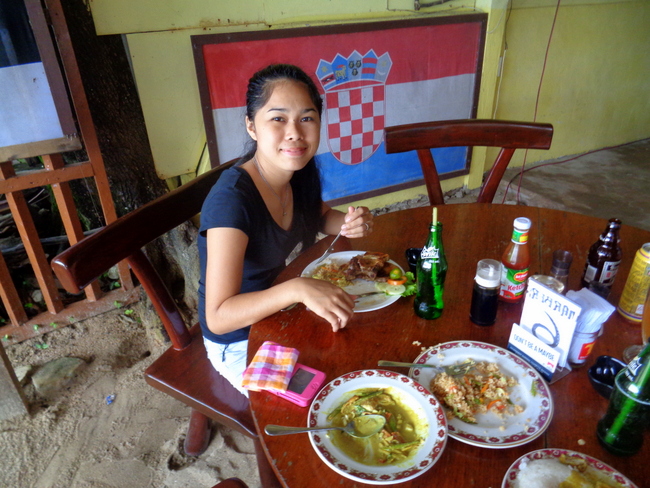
(636, 287)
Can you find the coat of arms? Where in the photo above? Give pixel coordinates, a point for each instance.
(355, 92)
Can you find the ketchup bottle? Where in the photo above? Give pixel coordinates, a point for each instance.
(516, 261)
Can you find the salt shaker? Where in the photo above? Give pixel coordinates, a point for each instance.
(485, 294)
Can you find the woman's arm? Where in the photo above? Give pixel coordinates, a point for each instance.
(228, 310)
(356, 223)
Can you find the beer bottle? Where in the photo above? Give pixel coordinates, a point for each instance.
(621, 430)
(516, 262)
(430, 274)
(604, 257)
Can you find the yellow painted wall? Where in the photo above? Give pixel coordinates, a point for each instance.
(596, 84)
(595, 89)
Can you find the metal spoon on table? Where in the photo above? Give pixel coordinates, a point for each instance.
(362, 426)
(453, 370)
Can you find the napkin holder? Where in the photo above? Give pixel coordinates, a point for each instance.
(543, 336)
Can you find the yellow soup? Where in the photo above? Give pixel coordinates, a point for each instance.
(396, 442)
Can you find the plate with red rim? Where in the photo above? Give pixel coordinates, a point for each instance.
(601, 469)
(432, 423)
(358, 287)
(492, 431)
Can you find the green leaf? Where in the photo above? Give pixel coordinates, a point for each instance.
(54, 325)
(29, 305)
(129, 312)
(36, 326)
(5, 337)
(410, 285)
(117, 304)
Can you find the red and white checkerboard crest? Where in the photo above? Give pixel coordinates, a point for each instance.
(355, 93)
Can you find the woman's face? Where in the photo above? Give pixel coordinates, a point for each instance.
(287, 127)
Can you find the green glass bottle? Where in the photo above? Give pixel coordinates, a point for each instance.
(431, 273)
(621, 430)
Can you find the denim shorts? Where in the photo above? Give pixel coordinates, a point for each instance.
(229, 360)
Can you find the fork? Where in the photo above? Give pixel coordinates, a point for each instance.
(329, 249)
(454, 370)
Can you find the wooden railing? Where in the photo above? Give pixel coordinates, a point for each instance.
(58, 175)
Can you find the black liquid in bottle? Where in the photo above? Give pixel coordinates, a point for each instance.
(485, 295)
(484, 305)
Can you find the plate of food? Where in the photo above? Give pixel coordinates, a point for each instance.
(501, 402)
(550, 467)
(360, 273)
(411, 442)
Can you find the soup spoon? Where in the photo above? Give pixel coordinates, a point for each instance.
(362, 426)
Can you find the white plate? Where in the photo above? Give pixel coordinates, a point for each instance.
(364, 304)
(490, 430)
(411, 394)
(510, 479)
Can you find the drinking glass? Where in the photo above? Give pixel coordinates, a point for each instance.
(632, 351)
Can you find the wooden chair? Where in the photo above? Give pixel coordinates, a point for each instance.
(183, 371)
(508, 135)
(231, 483)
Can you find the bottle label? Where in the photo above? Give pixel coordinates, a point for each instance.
(513, 282)
(633, 368)
(519, 236)
(610, 268)
(430, 253)
(607, 275)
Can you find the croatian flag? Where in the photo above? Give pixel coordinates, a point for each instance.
(369, 80)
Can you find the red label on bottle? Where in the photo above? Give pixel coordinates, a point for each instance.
(513, 282)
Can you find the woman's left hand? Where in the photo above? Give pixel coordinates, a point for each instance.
(358, 222)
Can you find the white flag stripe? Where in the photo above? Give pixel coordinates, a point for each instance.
(423, 101)
(406, 103)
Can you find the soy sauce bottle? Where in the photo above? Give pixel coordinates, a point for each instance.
(431, 273)
(604, 257)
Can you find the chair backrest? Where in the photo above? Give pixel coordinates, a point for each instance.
(231, 483)
(507, 135)
(82, 263)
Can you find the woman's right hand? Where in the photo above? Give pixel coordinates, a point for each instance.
(327, 301)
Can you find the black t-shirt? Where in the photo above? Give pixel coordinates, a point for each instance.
(235, 202)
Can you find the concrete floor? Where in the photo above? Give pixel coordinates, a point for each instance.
(606, 183)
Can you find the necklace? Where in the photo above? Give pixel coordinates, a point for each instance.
(283, 203)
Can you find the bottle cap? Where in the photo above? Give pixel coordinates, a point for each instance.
(488, 273)
(522, 223)
(550, 282)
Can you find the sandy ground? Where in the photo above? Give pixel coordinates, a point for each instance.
(76, 439)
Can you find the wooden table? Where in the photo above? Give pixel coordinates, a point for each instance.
(470, 232)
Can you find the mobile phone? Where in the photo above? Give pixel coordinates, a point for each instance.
(303, 386)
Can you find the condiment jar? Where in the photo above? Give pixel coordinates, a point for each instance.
(485, 294)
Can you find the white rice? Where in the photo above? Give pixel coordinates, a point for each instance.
(542, 473)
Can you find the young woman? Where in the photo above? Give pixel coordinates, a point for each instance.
(256, 215)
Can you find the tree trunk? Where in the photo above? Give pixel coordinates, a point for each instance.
(119, 122)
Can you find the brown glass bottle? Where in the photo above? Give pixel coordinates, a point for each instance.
(604, 257)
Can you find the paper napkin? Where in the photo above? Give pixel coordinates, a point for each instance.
(271, 368)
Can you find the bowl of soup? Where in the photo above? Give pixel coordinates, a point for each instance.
(411, 442)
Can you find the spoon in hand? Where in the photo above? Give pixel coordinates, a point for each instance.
(362, 426)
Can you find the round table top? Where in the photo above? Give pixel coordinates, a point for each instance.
(470, 232)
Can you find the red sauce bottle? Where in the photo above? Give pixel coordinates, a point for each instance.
(516, 263)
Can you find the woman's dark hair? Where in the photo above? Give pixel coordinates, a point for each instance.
(305, 184)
